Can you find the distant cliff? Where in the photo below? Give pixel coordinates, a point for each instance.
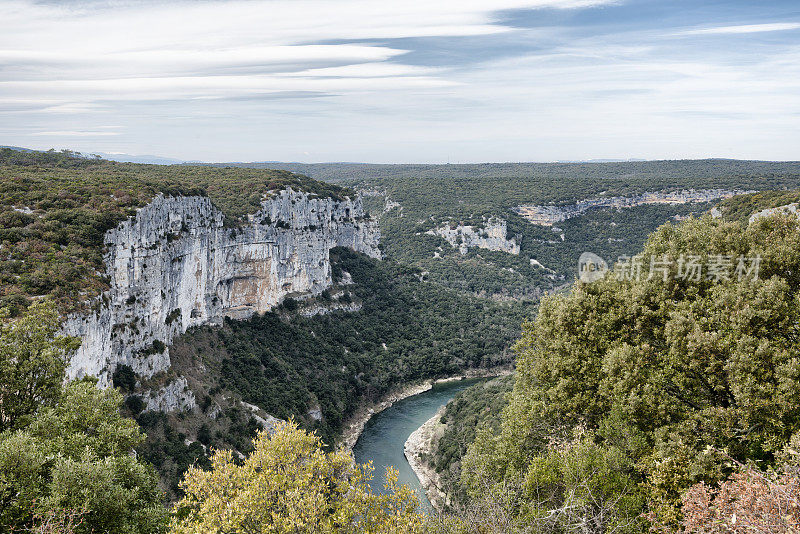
(549, 215)
(491, 236)
(176, 265)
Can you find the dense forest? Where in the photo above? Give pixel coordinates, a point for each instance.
(740, 207)
(420, 197)
(477, 408)
(400, 328)
(639, 403)
(546, 183)
(68, 463)
(642, 402)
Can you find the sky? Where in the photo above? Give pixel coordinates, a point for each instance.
(403, 81)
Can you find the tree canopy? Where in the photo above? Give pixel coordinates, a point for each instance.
(33, 359)
(289, 484)
(653, 375)
(66, 452)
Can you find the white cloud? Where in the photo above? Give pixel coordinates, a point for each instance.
(239, 80)
(68, 133)
(369, 70)
(745, 28)
(73, 54)
(72, 108)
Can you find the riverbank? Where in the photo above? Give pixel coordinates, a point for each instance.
(355, 424)
(420, 444)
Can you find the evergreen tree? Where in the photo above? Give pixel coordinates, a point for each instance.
(650, 376)
(66, 453)
(32, 363)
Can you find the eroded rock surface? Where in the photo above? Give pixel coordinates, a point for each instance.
(491, 236)
(176, 265)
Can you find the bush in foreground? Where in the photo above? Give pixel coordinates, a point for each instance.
(66, 462)
(289, 484)
(659, 370)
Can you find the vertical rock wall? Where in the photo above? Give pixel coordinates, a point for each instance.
(175, 265)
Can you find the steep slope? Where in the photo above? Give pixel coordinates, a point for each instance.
(377, 329)
(216, 298)
(55, 210)
(154, 264)
(175, 265)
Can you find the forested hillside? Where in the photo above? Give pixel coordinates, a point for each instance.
(545, 183)
(69, 465)
(380, 326)
(413, 199)
(637, 396)
(477, 408)
(740, 207)
(403, 331)
(643, 400)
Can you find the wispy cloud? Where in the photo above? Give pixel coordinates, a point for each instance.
(745, 28)
(399, 80)
(77, 52)
(68, 133)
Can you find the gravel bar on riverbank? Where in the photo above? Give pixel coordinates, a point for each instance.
(419, 444)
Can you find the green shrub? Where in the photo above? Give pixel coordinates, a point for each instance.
(660, 372)
(124, 378)
(57, 249)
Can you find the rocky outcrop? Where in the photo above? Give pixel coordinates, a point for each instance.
(788, 209)
(266, 421)
(549, 215)
(175, 396)
(176, 265)
(491, 236)
(319, 309)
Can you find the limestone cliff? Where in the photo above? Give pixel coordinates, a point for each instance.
(549, 215)
(176, 265)
(492, 236)
(788, 209)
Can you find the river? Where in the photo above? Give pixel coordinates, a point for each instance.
(386, 432)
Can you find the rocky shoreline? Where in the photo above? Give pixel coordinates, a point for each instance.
(420, 444)
(356, 423)
(417, 446)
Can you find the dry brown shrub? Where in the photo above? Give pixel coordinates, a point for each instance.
(749, 501)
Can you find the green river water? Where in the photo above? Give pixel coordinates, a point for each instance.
(386, 432)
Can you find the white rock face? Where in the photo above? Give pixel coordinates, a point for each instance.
(175, 396)
(789, 209)
(492, 236)
(174, 265)
(549, 215)
(311, 311)
(537, 263)
(268, 422)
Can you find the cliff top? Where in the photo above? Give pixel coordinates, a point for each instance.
(741, 207)
(55, 208)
